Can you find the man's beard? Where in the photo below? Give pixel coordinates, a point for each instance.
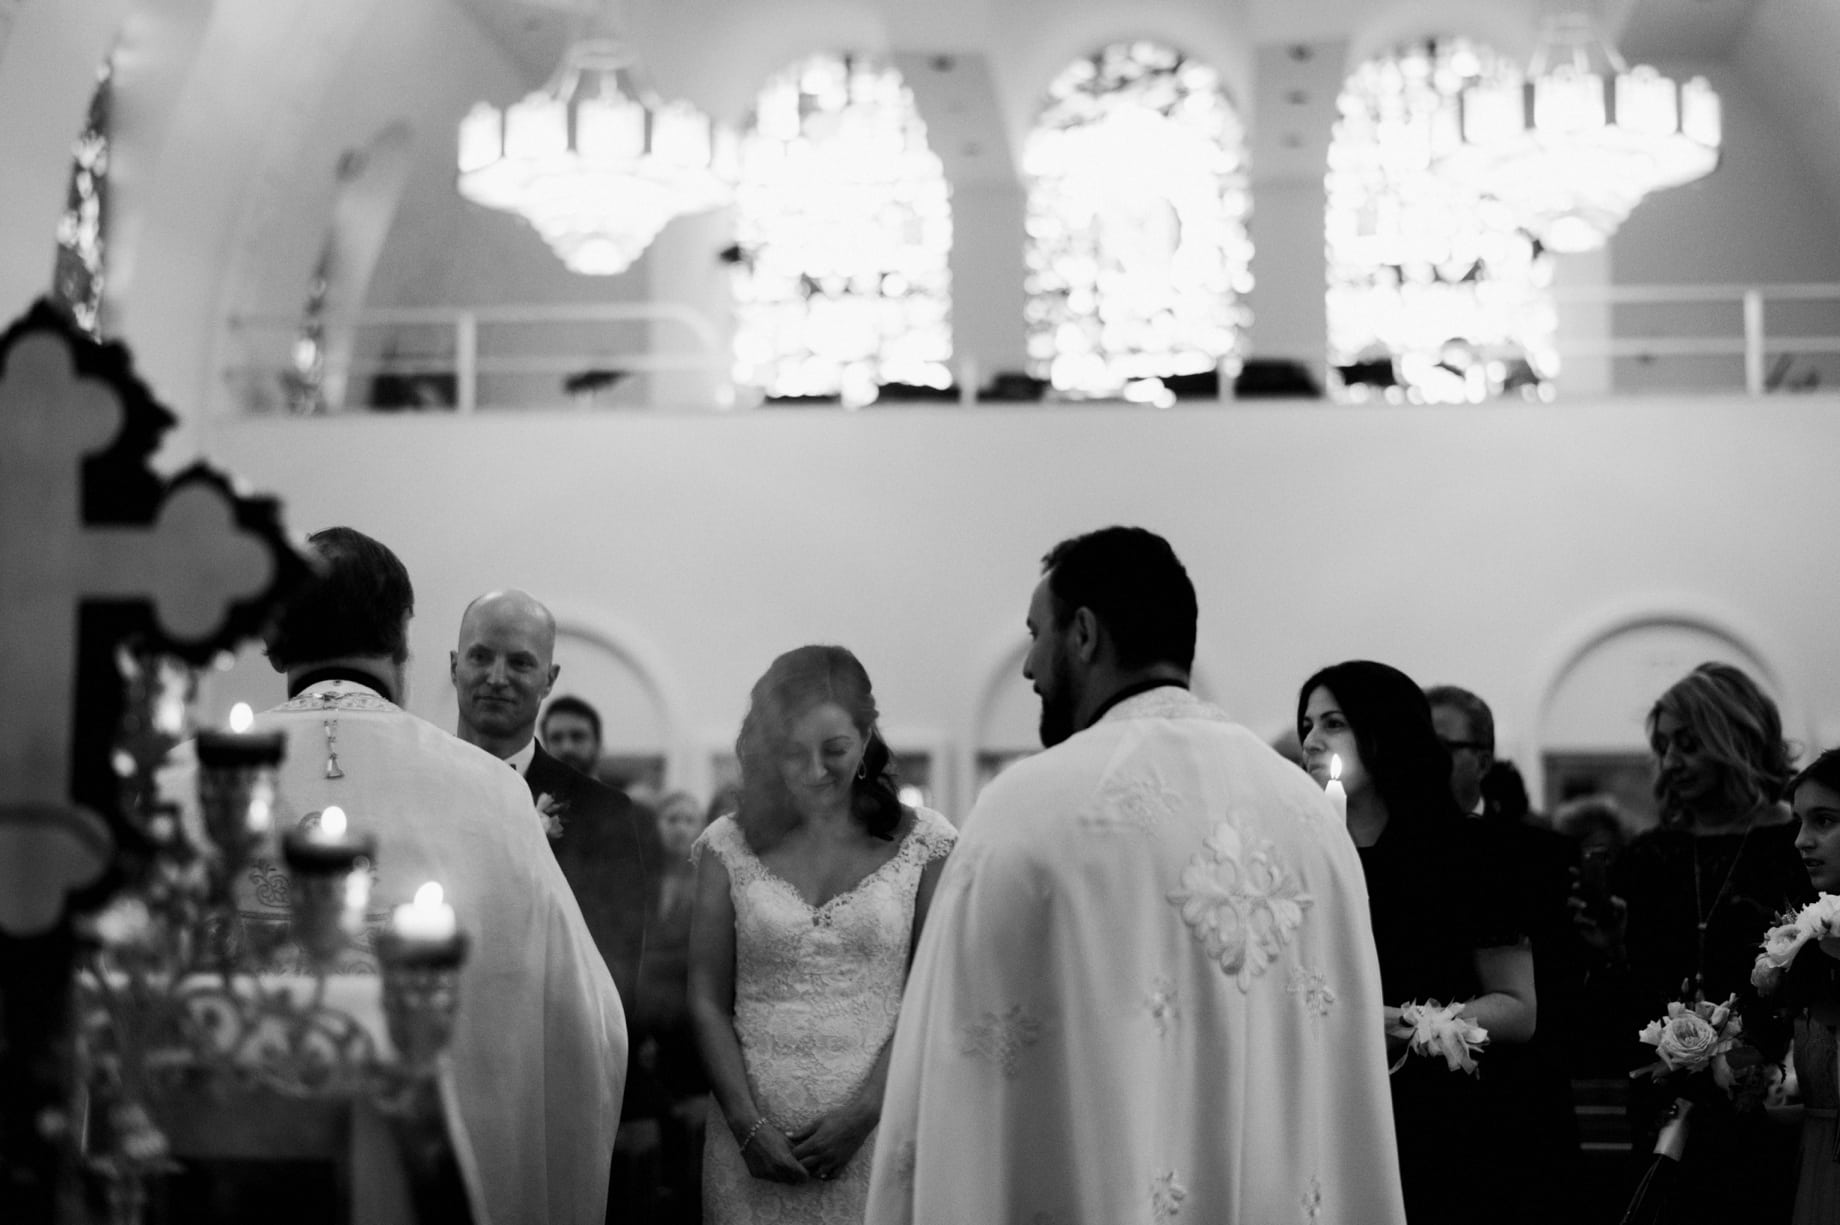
(1056, 717)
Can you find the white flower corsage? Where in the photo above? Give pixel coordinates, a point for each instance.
(1817, 921)
(1437, 1029)
(549, 811)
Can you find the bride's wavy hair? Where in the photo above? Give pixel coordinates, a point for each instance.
(1391, 720)
(794, 683)
(1739, 729)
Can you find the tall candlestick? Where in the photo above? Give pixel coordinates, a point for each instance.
(421, 949)
(1338, 794)
(326, 897)
(236, 786)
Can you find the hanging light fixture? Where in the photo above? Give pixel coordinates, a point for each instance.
(593, 161)
(1576, 142)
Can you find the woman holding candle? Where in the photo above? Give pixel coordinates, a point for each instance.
(1441, 931)
(809, 902)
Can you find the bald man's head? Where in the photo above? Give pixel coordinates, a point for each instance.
(502, 669)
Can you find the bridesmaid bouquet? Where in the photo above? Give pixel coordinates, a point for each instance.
(1692, 1038)
(1817, 922)
(1703, 1037)
(1437, 1029)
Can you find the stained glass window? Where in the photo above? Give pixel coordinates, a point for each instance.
(844, 235)
(77, 277)
(1137, 252)
(1435, 295)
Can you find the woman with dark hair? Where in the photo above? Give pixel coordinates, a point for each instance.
(810, 900)
(1442, 932)
(1690, 904)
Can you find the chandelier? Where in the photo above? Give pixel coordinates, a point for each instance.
(593, 161)
(1575, 143)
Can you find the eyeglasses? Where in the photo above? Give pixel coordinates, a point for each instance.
(1474, 746)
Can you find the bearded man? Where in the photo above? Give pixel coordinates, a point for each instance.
(1147, 990)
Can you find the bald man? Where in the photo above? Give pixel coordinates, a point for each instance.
(502, 668)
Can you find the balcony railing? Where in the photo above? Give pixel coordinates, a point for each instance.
(1617, 340)
(1742, 327)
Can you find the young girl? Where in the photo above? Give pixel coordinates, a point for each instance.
(1815, 794)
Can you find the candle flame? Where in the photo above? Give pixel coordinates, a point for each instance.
(332, 821)
(1335, 766)
(428, 896)
(241, 717)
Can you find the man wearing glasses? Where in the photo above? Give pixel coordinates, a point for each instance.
(1531, 1082)
(1467, 727)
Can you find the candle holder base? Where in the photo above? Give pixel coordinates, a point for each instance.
(421, 995)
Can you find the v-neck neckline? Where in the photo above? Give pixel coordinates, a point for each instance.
(819, 908)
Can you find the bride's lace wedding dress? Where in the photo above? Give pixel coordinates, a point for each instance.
(817, 991)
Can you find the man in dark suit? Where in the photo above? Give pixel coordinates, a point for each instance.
(502, 670)
(1530, 1084)
(570, 731)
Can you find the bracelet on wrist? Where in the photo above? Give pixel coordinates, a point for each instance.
(752, 1132)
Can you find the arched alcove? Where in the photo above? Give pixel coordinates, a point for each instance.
(621, 678)
(1589, 730)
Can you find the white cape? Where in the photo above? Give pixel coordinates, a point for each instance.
(539, 1048)
(1146, 992)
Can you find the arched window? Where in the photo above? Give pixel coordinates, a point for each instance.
(844, 233)
(76, 281)
(1434, 294)
(1137, 248)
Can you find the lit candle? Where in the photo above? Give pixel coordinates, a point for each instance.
(323, 844)
(426, 920)
(329, 871)
(1338, 794)
(331, 827)
(236, 783)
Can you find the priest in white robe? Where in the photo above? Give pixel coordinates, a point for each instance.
(539, 1047)
(1148, 989)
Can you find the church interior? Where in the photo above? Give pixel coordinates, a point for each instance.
(1628, 476)
(1562, 556)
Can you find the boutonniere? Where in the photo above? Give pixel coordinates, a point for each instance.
(550, 811)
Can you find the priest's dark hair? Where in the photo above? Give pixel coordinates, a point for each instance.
(793, 684)
(358, 602)
(1391, 720)
(569, 704)
(1135, 585)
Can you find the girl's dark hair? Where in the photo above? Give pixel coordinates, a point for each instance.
(1823, 770)
(1391, 721)
(794, 683)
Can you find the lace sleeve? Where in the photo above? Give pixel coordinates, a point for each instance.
(933, 835)
(719, 838)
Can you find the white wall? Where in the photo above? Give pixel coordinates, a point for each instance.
(1480, 547)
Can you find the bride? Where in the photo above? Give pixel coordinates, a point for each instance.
(809, 902)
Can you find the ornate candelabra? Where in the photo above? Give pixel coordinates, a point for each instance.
(180, 991)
